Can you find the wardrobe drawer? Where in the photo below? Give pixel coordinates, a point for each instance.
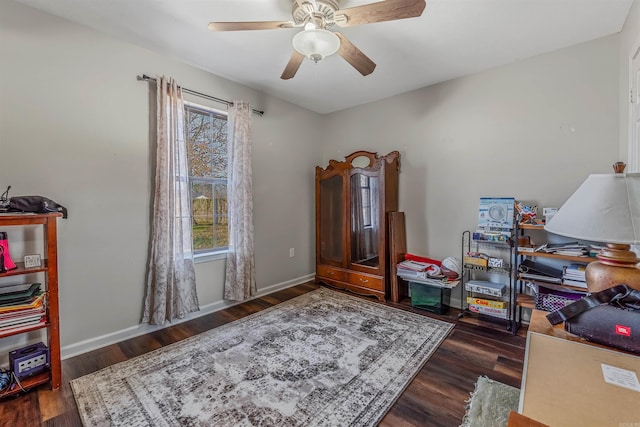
(331, 273)
(365, 281)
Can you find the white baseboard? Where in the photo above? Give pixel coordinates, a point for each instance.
(141, 329)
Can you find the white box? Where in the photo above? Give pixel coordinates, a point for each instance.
(486, 288)
(549, 213)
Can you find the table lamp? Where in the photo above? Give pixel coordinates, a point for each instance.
(605, 208)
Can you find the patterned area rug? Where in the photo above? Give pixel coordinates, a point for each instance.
(490, 404)
(321, 359)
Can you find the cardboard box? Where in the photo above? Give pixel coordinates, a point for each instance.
(485, 287)
(487, 302)
(491, 311)
(565, 383)
(482, 262)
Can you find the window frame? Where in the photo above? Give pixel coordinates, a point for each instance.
(205, 255)
(633, 142)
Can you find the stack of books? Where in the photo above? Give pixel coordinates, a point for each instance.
(21, 307)
(574, 275)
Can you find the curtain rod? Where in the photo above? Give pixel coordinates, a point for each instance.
(146, 78)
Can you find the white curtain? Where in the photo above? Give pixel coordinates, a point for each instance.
(171, 284)
(240, 280)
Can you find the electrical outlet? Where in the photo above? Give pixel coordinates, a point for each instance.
(292, 252)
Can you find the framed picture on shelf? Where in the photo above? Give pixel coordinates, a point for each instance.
(32, 261)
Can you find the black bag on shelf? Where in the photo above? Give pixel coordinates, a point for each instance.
(610, 317)
(31, 204)
(35, 204)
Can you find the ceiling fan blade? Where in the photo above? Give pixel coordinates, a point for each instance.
(243, 26)
(292, 67)
(355, 57)
(387, 10)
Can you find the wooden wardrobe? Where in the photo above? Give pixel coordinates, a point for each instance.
(353, 198)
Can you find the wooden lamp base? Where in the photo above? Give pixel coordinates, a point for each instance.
(616, 265)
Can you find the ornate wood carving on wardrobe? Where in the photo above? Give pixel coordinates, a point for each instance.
(353, 198)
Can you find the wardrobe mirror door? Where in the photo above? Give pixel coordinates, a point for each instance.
(331, 214)
(365, 219)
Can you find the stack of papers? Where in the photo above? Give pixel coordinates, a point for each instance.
(21, 307)
(570, 249)
(410, 270)
(414, 265)
(424, 272)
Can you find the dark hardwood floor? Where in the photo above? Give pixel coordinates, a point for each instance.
(435, 397)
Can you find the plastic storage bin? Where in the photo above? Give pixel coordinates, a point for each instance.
(552, 300)
(430, 298)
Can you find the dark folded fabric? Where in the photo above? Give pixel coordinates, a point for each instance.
(620, 296)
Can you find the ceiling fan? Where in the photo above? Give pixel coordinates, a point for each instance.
(316, 42)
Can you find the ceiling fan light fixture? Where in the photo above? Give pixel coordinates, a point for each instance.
(316, 44)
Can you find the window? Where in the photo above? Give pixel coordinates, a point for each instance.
(207, 154)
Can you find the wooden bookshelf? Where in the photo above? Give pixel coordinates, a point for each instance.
(523, 300)
(526, 301)
(25, 330)
(20, 270)
(584, 259)
(50, 269)
(531, 226)
(556, 286)
(28, 383)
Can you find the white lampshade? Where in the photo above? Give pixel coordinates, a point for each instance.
(605, 208)
(316, 44)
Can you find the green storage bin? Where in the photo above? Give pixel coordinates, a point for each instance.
(430, 298)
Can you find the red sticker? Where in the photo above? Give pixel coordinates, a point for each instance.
(623, 330)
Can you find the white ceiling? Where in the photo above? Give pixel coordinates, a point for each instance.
(451, 39)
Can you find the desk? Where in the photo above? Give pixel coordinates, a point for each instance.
(563, 384)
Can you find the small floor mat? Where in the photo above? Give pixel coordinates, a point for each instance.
(490, 404)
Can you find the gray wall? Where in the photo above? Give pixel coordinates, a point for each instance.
(533, 130)
(629, 45)
(74, 126)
